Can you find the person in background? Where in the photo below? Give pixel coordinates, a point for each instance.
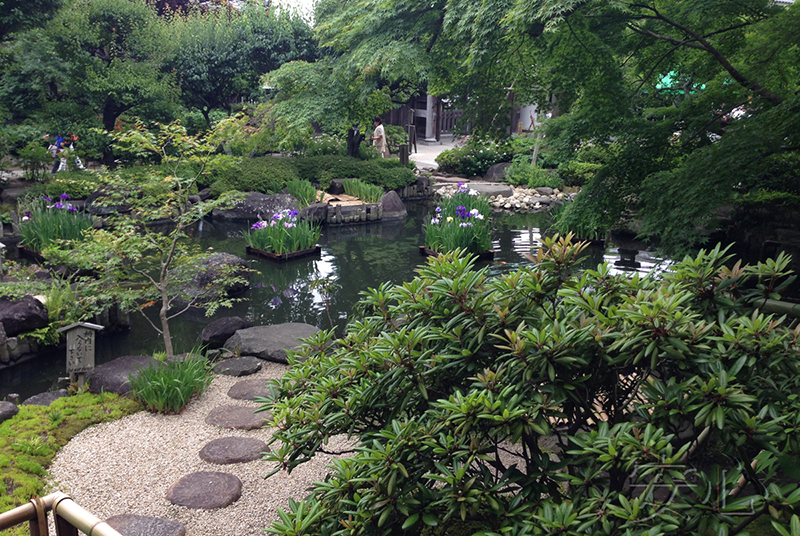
(379, 138)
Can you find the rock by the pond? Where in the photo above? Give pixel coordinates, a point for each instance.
(227, 450)
(112, 377)
(239, 366)
(315, 212)
(250, 389)
(545, 190)
(205, 490)
(22, 315)
(206, 281)
(497, 172)
(7, 410)
(237, 417)
(489, 189)
(270, 342)
(133, 525)
(255, 204)
(45, 399)
(337, 186)
(392, 206)
(217, 332)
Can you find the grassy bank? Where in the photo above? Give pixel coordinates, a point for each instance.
(30, 440)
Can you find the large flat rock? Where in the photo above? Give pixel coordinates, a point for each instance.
(237, 417)
(133, 525)
(205, 490)
(489, 189)
(270, 342)
(46, 398)
(113, 377)
(22, 315)
(256, 204)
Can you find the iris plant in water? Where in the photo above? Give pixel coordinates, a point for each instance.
(43, 223)
(460, 222)
(282, 233)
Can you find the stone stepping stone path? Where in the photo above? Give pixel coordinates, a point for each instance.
(205, 490)
(250, 389)
(227, 450)
(133, 525)
(240, 366)
(237, 417)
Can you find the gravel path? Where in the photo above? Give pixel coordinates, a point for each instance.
(126, 467)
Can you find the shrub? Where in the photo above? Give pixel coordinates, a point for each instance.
(385, 172)
(645, 390)
(35, 161)
(43, 224)
(368, 193)
(475, 157)
(303, 191)
(324, 145)
(576, 173)
(460, 223)
(522, 173)
(76, 184)
(265, 174)
(166, 387)
(282, 234)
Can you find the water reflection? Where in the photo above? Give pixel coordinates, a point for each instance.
(356, 257)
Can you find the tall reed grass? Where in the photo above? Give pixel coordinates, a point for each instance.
(43, 222)
(303, 191)
(166, 387)
(369, 193)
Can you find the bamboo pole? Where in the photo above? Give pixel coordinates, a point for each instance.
(64, 508)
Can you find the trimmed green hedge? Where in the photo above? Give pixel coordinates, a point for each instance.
(266, 174)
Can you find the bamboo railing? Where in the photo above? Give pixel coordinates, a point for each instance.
(69, 517)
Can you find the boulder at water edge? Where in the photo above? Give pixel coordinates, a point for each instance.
(46, 398)
(256, 204)
(112, 377)
(270, 342)
(205, 283)
(7, 410)
(217, 332)
(22, 315)
(497, 172)
(488, 190)
(392, 207)
(315, 213)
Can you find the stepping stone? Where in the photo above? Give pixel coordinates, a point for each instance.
(205, 490)
(133, 525)
(240, 366)
(250, 389)
(237, 417)
(228, 450)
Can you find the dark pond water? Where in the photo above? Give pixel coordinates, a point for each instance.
(356, 257)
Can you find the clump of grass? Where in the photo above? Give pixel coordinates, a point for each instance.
(43, 223)
(303, 191)
(368, 193)
(30, 440)
(166, 387)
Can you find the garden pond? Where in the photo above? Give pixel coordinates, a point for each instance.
(354, 257)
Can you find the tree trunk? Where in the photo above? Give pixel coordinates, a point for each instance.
(206, 112)
(110, 115)
(162, 314)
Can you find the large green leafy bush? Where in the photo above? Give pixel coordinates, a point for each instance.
(475, 157)
(266, 174)
(551, 401)
(386, 172)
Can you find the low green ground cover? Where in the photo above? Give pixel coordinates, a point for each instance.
(30, 440)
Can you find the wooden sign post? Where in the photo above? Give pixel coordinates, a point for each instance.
(80, 350)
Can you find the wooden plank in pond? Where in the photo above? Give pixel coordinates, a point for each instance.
(275, 257)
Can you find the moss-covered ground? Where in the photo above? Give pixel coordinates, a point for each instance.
(30, 440)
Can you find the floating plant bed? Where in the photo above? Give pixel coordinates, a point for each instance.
(485, 256)
(316, 251)
(29, 254)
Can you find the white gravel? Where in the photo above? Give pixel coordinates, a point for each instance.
(126, 467)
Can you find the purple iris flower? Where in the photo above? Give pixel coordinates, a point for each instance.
(64, 196)
(293, 213)
(72, 209)
(46, 198)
